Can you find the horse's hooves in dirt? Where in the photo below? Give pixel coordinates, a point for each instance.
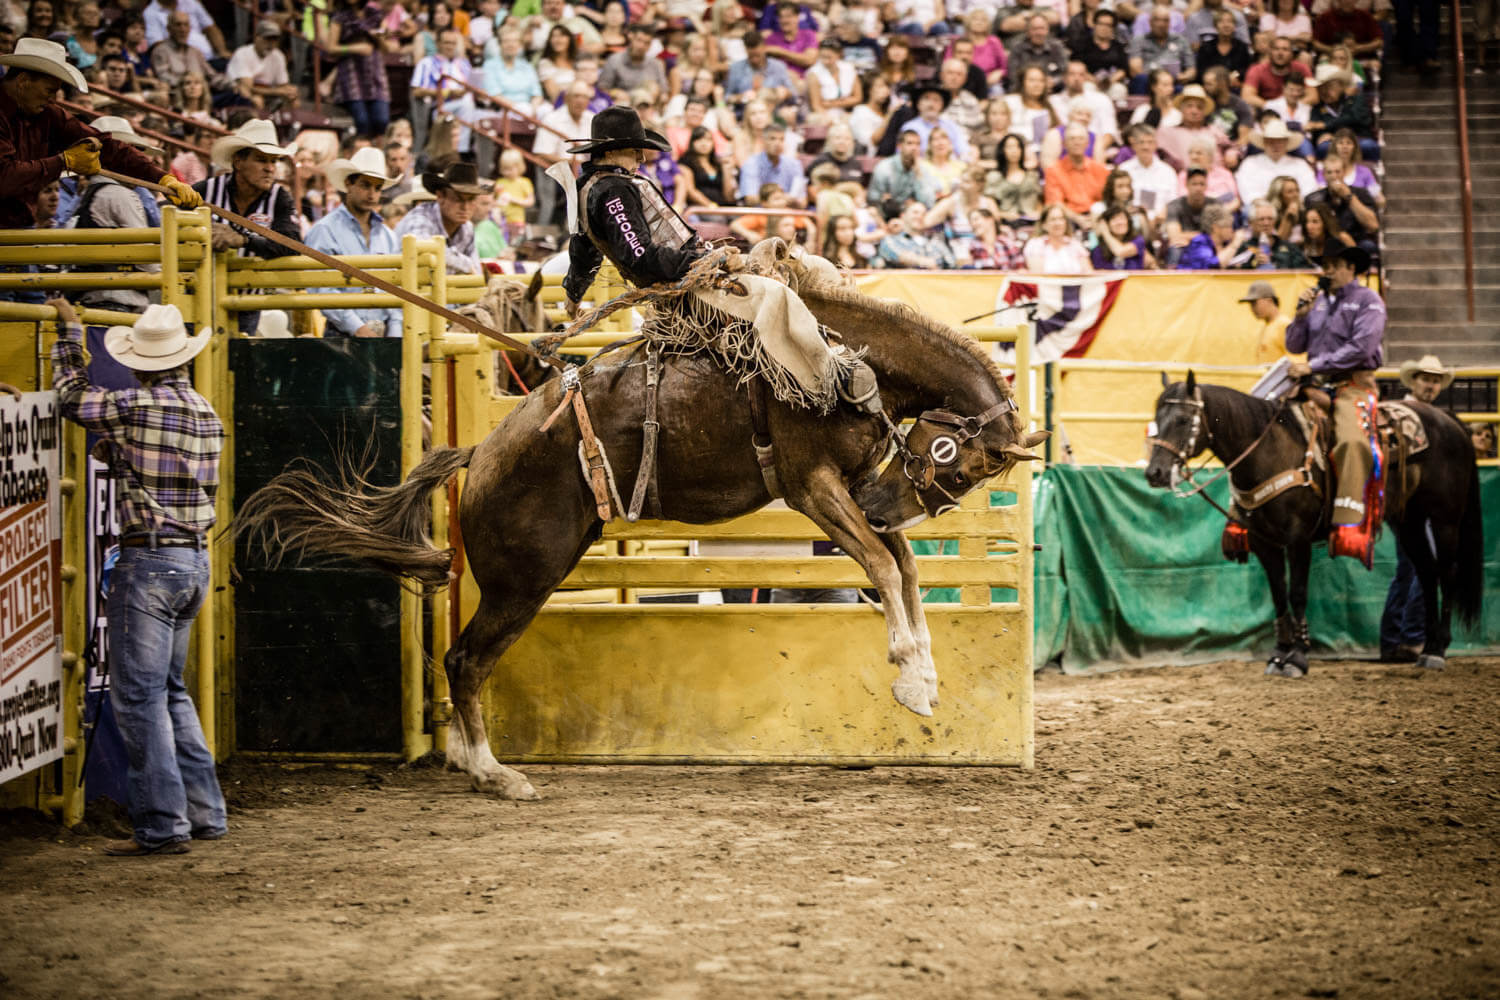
(912, 695)
(506, 784)
(1427, 661)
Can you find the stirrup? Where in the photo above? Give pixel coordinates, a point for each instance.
(860, 389)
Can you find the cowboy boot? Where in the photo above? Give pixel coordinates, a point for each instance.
(858, 387)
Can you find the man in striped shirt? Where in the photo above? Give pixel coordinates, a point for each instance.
(162, 442)
(252, 156)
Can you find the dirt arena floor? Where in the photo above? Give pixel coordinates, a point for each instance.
(1187, 833)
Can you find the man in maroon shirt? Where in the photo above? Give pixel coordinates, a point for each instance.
(39, 140)
(1342, 20)
(1264, 81)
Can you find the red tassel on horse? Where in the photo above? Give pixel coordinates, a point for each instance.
(1235, 542)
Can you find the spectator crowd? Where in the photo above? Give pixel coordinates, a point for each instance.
(1063, 136)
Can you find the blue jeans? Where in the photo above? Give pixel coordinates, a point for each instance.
(1404, 622)
(370, 117)
(154, 595)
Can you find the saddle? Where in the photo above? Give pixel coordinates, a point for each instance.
(1403, 436)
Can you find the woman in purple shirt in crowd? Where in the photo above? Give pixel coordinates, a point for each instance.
(1120, 247)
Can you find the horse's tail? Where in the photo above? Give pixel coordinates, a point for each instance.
(1468, 581)
(303, 513)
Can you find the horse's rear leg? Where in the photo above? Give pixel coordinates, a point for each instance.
(1433, 551)
(489, 633)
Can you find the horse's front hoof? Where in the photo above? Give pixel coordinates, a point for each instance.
(912, 695)
(506, 784)
(1427, 661)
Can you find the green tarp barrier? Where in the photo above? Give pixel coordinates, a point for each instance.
(1132, 576)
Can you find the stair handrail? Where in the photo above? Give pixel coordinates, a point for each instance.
(1465, 173)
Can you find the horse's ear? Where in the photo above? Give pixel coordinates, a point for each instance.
(1165, 382)
(1192, 383)
(1035, 438)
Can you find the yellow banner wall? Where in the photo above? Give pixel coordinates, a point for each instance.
(1166, 317)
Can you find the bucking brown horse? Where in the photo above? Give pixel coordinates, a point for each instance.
(527, 515)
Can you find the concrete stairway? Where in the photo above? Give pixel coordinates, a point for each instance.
(1424, 245)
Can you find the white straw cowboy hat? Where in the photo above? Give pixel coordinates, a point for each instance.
(42, 56)
(416, 193)
(367, 162)
(1328, 72)
(257, 134)
(1275, 128)
(1195, 92)
(158, 341)
(1426, 365)
(121, 129)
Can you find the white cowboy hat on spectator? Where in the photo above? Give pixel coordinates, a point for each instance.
(417, 193)
(273, 325)
(159, 341)
(122, 130)
(367, 162)
(1428, 364)
(1195, 92)
(1328, 72)
(42, 56)
(1275, 128)
(257, 134)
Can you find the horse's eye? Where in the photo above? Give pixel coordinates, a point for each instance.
(959, 479)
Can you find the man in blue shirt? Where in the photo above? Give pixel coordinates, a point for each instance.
(1342, 330)
(355, 227)
(773, 167)
(758, 76)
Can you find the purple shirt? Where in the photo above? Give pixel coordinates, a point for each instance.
(806, 39)
(1343, 332)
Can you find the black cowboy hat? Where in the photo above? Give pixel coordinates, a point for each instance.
(458, 176)
(914, 92)
(619, 128)
(1356, 257)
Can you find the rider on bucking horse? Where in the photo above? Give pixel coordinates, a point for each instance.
(623, 215)
(1342, 329)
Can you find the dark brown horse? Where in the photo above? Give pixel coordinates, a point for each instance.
(527, 515)
(1436, 515)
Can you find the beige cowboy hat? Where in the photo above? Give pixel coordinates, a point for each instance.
(367, 162)
(257, 134)
(415, 194)
(1328, 72)
(1195, 92)
(158, 341)
(1275, 128)
(121, 130)
(1428, 364)
(42, 56)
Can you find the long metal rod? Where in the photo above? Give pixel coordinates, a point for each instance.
(353, 272)
(1465, 173)
(157, 109)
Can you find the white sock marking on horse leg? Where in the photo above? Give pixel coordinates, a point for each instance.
(910, 689)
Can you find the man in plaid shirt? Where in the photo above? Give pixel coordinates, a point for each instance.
(162, 442)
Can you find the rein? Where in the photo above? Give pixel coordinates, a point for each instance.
(1191, 448)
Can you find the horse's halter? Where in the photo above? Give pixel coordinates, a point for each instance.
(943, 450)
(1193, 446)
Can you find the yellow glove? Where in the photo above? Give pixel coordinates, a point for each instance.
(83, 157)
(182, 196)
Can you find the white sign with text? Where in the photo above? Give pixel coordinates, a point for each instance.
(30, 583)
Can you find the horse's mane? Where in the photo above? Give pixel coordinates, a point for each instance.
(902, 315)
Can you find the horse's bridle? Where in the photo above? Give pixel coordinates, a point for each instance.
(1191, 448)
(943, 450)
